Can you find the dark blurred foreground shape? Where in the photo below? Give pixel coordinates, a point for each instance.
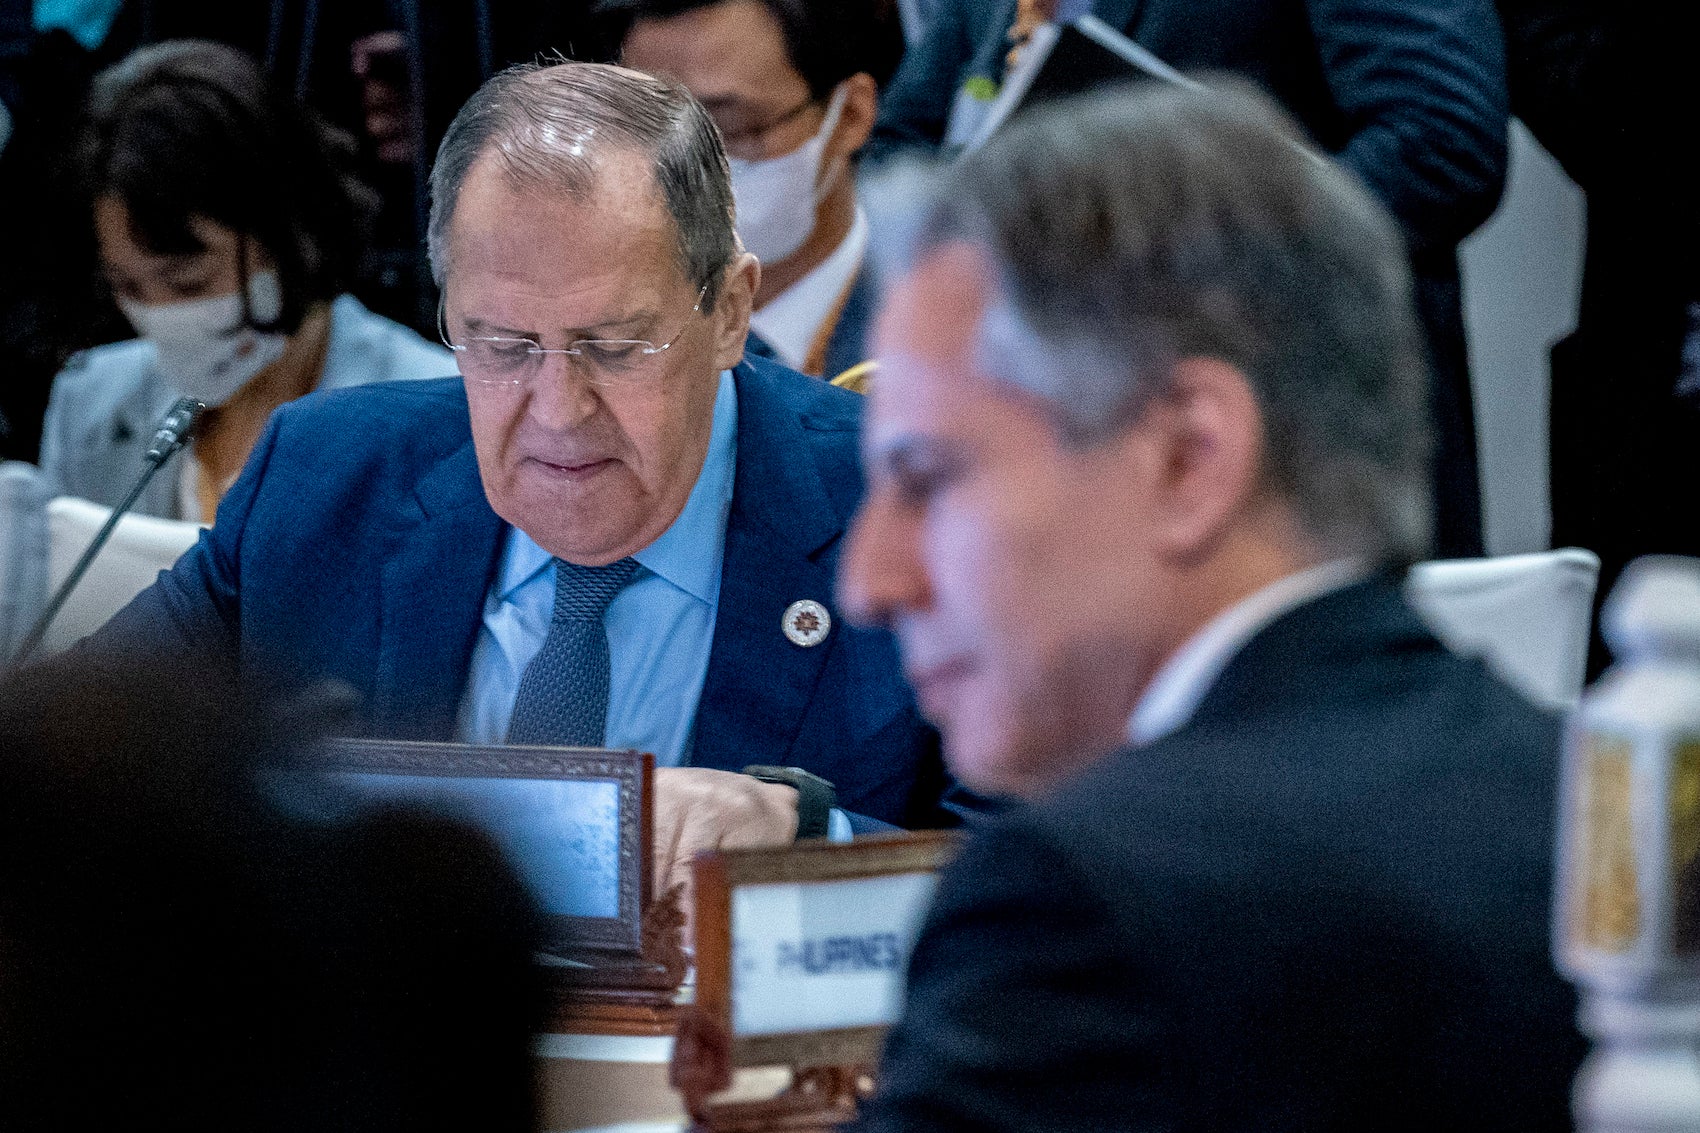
(177, 952)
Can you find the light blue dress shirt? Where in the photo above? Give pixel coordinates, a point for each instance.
(660, 627)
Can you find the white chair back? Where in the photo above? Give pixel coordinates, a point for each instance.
(23, 552)
(141, 547)
(1527, 616)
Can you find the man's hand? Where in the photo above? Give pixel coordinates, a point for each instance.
(699, 809)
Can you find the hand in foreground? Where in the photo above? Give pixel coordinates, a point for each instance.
(700, 809)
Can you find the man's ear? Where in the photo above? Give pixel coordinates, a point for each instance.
(731, 318)
(1206, 438)
(855, 119)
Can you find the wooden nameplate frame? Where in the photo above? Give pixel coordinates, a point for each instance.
(801, 952)
(614, 955)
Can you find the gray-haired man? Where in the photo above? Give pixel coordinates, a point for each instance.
(1147, 443)
(609, 530)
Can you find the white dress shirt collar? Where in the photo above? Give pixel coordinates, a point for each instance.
(1180, 685)
(792, 320)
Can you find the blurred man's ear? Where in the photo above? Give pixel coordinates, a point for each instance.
(731, 318)
(1204, 438)
(855, 119)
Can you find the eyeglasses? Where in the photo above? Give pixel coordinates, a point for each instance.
(498, 361)
(746, 142)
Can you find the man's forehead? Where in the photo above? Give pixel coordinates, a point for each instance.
(932, 313)
(723, 53)
(615, 179)
(932, 381)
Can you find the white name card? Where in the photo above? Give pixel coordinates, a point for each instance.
(823, 955)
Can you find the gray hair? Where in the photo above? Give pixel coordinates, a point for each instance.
(546, 124)
(1136, 228)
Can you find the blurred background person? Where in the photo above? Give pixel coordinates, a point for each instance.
(1411, 97)
(794, 87)
(50, 305)
(266, 972)
(228, 228)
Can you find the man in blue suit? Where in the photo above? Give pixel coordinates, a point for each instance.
(607, 462)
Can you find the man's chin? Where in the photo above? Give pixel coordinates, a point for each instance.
(1015, 762)
(986, 762)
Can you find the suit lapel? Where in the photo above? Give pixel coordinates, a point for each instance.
(434, 581)
(781, 524)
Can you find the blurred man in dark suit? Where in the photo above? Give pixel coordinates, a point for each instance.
(1146, 452)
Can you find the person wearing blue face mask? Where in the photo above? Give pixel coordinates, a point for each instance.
(793, 86)
(227, 230)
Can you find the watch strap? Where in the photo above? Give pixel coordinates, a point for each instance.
(816, 797)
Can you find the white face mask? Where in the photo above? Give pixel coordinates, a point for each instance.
(205, 350)
(776, 198)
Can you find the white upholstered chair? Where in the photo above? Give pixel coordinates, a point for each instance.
(141, 547)
(1528, 616)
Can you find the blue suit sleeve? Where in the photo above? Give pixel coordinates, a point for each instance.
(1422, 86)
(192, 612)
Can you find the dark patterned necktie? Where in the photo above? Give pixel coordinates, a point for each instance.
(563, 697)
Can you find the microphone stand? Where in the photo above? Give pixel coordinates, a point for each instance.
(173, 433)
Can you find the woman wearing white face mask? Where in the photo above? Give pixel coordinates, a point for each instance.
(227, 231)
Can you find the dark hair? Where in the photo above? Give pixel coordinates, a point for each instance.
(827, 40)
(545, 127)
(195, 129)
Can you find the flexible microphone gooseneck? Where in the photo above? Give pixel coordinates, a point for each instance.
(173, 433)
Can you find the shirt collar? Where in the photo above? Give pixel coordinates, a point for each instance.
(791, 320)
(689, 553)
(1175, 693)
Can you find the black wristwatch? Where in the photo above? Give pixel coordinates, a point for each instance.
(815, 797)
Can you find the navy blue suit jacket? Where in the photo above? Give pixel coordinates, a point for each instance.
(358, 545)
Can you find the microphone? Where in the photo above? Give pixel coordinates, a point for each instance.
(173, 433)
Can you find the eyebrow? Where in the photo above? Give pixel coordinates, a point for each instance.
(724, 102)
(907, 452)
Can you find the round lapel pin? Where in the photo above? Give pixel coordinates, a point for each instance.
(806, 622)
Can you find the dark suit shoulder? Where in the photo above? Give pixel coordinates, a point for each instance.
(1346, 717)
(822, 416)
(818, 404)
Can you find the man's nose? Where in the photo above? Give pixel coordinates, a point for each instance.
(880, 574)
(562, 394)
